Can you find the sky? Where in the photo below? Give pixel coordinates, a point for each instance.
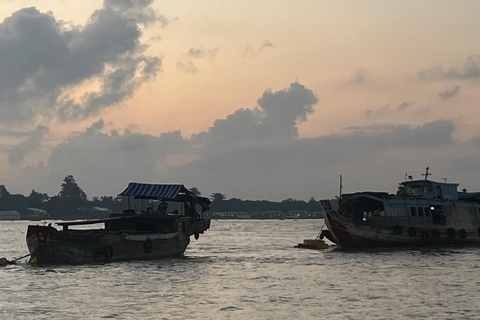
(256, 100)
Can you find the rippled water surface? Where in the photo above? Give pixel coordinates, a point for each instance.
(247, 270)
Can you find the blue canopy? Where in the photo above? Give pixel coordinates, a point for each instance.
(154, 191)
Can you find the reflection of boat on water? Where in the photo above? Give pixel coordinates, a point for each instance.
(151, 233)
(422, 213)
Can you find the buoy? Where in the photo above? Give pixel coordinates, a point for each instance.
(313, 244)
(3, 262)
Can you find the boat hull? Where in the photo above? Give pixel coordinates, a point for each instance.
(350, 234)
(48, 245)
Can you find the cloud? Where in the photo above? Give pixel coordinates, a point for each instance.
(251, 52)
(359, 77)
(202, 53)
(388, 110)
(284, 109)
(266, 44)
(476, 141)
(44, 59)
(188, 67)
(16, 153)
(470, 70)
(112, 159)
(251, 153)
(449, 93)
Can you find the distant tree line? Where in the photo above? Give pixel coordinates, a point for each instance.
(221, 204)
(72, 203)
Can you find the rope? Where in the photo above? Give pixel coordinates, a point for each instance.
(321, 229)
(16, 259)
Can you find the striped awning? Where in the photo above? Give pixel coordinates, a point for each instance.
(154, 191)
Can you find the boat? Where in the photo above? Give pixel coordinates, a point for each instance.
(422, 213)
(161, 227)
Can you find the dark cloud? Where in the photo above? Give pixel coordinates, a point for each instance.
(251, 153)
(469, 71)
(284, 167)
(284, 109)
(449, 93)
(476, 141)
(43, 58)
(276, 116)
(109, 161)
(34, 139)
(387, 109)
(405, 105)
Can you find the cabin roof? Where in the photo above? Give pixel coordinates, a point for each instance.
(94, 221)
(154, 191)
(405, 183)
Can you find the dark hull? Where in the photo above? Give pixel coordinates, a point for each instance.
(349, 234)
(47, 245)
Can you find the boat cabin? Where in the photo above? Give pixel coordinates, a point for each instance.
(168, 206)
(430, 189)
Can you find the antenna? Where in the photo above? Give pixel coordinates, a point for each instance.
(444, 179)
(426, 174)
(340, 187)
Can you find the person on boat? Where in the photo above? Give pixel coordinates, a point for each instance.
(162, 208)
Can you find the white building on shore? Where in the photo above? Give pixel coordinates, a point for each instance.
(9, 215)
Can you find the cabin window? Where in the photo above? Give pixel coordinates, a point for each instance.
(413, 211)
(416, 189)
(420, 212)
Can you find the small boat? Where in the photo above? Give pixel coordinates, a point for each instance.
(422, 213)
(163, 228)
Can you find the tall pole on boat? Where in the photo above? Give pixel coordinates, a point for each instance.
(340, 187)
(426, 174)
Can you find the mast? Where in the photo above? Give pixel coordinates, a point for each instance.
(426, 174)
(340, 187)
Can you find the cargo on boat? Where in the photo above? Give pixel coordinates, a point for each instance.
(422, 213)
(160, 229)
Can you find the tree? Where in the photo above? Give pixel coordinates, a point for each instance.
(36, 199)
(3, 192)
(39, 197)
(217, 197)
(70, 189)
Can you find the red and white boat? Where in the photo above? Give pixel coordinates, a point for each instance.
(422, 213)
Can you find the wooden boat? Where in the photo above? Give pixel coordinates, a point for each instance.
(422, 213)
(150, 233)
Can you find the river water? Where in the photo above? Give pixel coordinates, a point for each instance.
(247, 269)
